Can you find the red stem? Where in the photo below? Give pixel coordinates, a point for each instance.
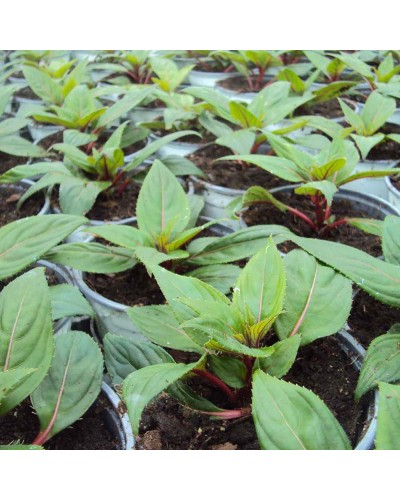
(217, 382)
(303, 217)
(338, 223)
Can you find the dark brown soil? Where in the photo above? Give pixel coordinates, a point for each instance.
(190, 139)
(49, 141)
(327, 109)
(9, 197)
(89, 433)
(9, 161)
(157, 103)
(132, 288)
(240, 84)
(112, 206)
(231, 174)
(133, 148)
(27, 93)
(321, 367)
(370, 319)
(386, 150)
(268, 214)
(213, 67)
(395, 181)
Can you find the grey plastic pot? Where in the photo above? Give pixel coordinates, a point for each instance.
(208, 79)
(393, 193)
(246, 97)
(375, 186)
(62, 276)
(38, 131)
(373, 206)
(176, 148)
(118, 424)
(143, 114)
(356, 353)
(111, 316)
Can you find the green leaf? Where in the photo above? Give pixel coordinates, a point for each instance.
(66, 300)
(391, 239)
(327, 188)
(31, 170)
(239, 141)
(162, 207)
(381, 362)
(232, 371)
(288, 417)
(24, 241)
(18, 146)
(365, 144)
(78, 196)
(220, 276)
(92, 257)
(26, 333)
(124, 355)
(260, 289)
(235, 246)
(160, 326)
(43, 85)
(243, 116)
(379, 279)
(388, 428)
(154, 146)
(370, 226)
(143, 385)
(317, 301)
(281, 167)
(352, 117)
(71, 385)
(282, 359)
(119, 234)
(10, 379)
(378, 108)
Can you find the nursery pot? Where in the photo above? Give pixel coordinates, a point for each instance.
(23, 186)
(393, 193)
(208, 79)
(375, 186)
(111, 316)
(142, 114)
(246, 97)
(176, 148)
(117, 422)
(375, 207)
(356, 353)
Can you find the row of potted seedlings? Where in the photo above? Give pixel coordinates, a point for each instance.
(222, 224)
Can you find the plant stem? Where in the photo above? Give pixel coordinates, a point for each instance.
(303, 217)
(338, 223)
(217, 382)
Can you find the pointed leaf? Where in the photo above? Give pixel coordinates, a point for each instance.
(388, 428)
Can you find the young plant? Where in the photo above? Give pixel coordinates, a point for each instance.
(365, 128)
(166, 218)
(337, 66)
(130, 67)
(82, 177)
(62, 376)
(242, 128)
(317, 176)
(10, 140)
(253, 65)
(236, 348)
(169, 76)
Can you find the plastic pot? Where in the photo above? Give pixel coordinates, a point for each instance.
(208, 79)
(356, 353)
(23, 186)
(118, 424)
(234, 95)
(375, 186)
(39, 131)
(393, 193)
(111, 316)
(63, 324)
(373, 206)
(176, 148)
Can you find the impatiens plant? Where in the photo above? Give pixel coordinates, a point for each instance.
(365, 128)
(317, 176)
(129, 66)
(63, 376)
(244, 347)
(333, 66)
(166, 218)
(82, 177)
(242, 127)
(11, 141)
(169, 75)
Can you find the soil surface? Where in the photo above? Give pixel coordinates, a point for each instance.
(9, 161)
(321, 367)
(395, 181)
(9, 197)
(268, 214)
(88, 433)
(370, 319)
(112, 206)
(132, 288)
(327, 109)
(206, 137)
(240, 84)
(231, 174)
(27, 93)
(49, 141)
(213, 67)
